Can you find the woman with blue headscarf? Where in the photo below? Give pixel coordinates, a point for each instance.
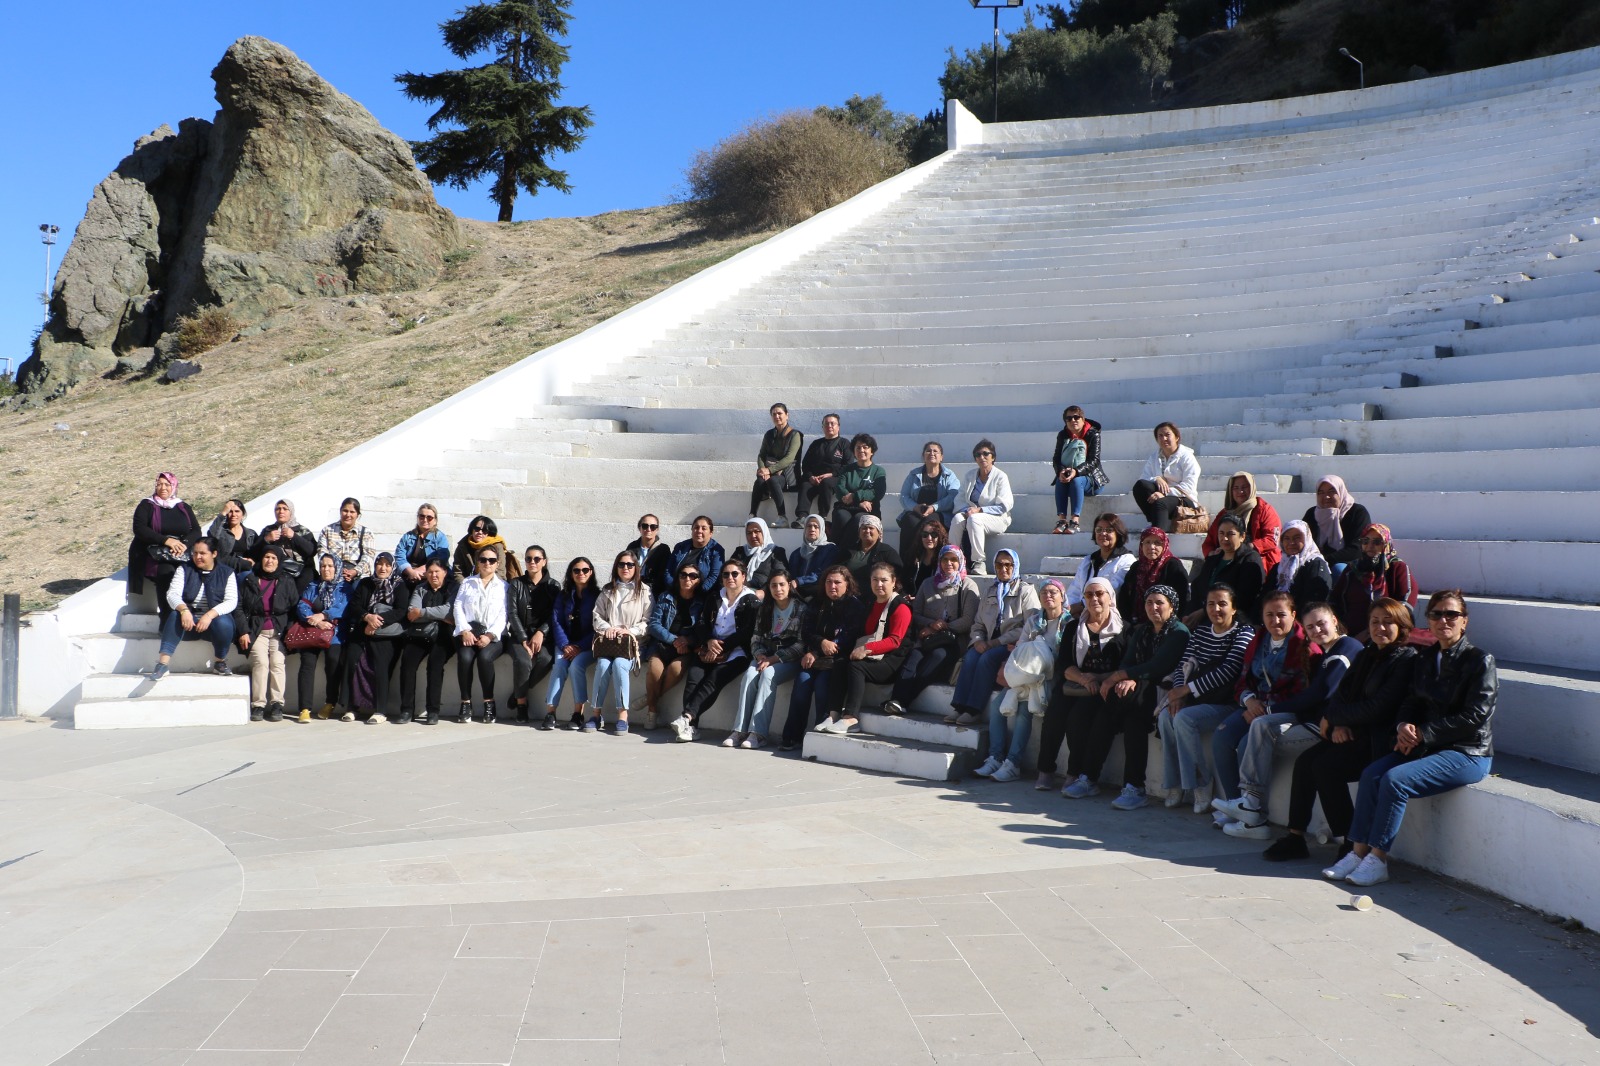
(999, 623)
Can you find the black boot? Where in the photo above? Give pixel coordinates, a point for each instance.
(522, 711)
(488, 712)
(465, 714)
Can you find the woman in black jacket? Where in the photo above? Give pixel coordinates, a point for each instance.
(722, 647)
(675, 615)
(374, 623)
(1083, 476)
(1336, 523)
(1236, 564)
(530, 606)
(1357, 727)
(1443, 740)
(267, 597)
(296, 544)
(236, 541)
(164, 527)
(830, 632)
(1302, 572)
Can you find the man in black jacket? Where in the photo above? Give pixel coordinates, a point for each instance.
(825, 459)
(532, 599)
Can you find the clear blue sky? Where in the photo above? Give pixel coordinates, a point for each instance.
(81, 81)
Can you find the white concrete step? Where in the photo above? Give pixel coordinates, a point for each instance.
(1546, 714)
(176, 685)
(129, 653)
(160, 711)
(903, 758)
(925, 728)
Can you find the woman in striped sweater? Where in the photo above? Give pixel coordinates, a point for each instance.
(1201, 696)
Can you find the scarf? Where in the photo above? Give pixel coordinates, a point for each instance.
(273, 550)
(383, 589)
(1002, 589)
(1242, 511)
(1112, 627)
(291, 521)
(1291, 564)
(171, 501)
(1145, 571)
(323, 602)
(1375, 571)
(1083, 430)
(808, 547)
(941, 580)
(758, 555)
(1328, 528)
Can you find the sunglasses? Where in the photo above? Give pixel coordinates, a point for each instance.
(728, 574)
(488, 560)
(533, 560)
(1445, 616)
(648, 527)
(930, 536)
(477, 529)
(686, 576)
(983, 455)
(426, 518)
(627, 566)
(582, 570)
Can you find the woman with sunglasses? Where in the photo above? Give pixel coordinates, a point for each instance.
(531, 645)
(482, 533)
(923, 561)
(654, 554)
(572, 626)
(481, 621)
(722, 648)
(984, 506)
(1378, 573)
(1443, 740)
(674, 617)
(621, 613)
(420, 545)
(1076, 460)
(879, 653)
(830, 629)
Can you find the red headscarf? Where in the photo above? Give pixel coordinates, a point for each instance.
(1146, 571)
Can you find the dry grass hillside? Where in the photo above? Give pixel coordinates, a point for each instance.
(323, 376)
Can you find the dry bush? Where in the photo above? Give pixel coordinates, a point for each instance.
(783, 170)
(204, 330)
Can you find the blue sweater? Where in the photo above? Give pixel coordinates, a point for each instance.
(573, 622)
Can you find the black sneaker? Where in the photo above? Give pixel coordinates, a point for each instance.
(256, 714)
(576, 721)
(522, 711)
(465, 714)
(1287, 848)
(403, 718)
(274, 712)
(430, 718)
(547, 722)
(488, 712)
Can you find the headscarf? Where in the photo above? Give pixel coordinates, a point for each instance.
(1002, 589)
(383, 589)
(289, 504)
(807, 547)
(758, 555)
(1168, 591)
(940, 580)
(326, 589)
(1376, 570)
(1291, 564)
(171, 501)
(270, 549)
(1242, 511)
(1113, 625)
(1328, 517)
(867, 520)
(1145, 571)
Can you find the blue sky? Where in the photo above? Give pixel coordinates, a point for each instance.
(81, 81)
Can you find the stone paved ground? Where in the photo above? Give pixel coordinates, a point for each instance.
(358, 895)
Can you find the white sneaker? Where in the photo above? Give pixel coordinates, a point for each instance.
(1202, 798)
(1246, 831)
(682, 731)
(1343, 868)
(1371, 871)
(731, 740)
(990, 765)
(1007, 772)
(1244, 809)
(1220, 820)
(752, 742)
(1173, 798)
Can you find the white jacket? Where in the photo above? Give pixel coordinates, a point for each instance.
(617, 608)
(1181, 469)
(995, 498)
(1114, 572)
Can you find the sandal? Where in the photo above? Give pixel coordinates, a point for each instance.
(1062, 526)
(1072, 526)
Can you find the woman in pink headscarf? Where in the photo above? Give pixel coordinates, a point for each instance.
(163, 528)
(1380, 572)
(1336, 523)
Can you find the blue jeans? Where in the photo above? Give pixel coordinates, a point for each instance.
(1227, 747)
(976, 681)
(808, 700)
(1388, 783)
(1070, 494)
(1019, 727)
(1183, 754)
(578, 668)
(219, 633)
(604, 671)
(758, 691)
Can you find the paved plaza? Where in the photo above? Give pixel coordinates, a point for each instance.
(290, 895)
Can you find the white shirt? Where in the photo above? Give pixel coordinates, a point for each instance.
(995, 495)
(230, 598)
(477, 602)
(1181, 469)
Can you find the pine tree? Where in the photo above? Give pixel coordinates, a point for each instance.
(505, 120)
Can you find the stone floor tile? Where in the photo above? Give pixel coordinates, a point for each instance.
(842, 959)
(173, 1029)
(343, 918)
(566, 1053)
(763, 924)
(940, 988)
(504, 940)
(960, 1035)
(242, 1058)
(282, 1011)
(331, 949)
(464, 1038)
(970, 918)
(1287, 1051)
(132, 1057)
(670, 1027)
(408, 961)
(243, 954)
(853, 1035)
(198, 994)
(912, 943)
(484, 986)
(577, 990)
(753, 956)
(892, 912)
(763, 1017)
(828, 920)
(366, 1031)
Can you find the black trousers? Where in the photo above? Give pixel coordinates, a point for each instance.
(929, 663)
(770, 489)
(1093, 725)
(528, 670)
(703, 682)
(381, 655)
(845, 516)
(437, 653)
(332, 674)
(1160, 512)
(1325, 771)
(848, 685)
(468, 655)
(813, 499)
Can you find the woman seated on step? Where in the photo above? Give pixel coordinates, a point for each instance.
(928, 494)
(776, 647)
(1234, 563)
(760, 556)
(621, 616)
(1444, 740)
(483, 533)
(859, 489)
(942, 616)
(1027, 677)
(235, 541)
(984, 507)
(1169, 479)
(812, 558)
(163, 528)
(674, 617)
(377, 614)
(923, 562)
(1302, 571)
(1336, 523)
(878, 655)
(700, 551)
(1378, 573)
(1200, 695)
(1110, 560)
(721, 648)
(421, 544)
(201, 597)
(349, 542)
(1154, 565)
(322, 606)
(775, 463)
(1076, 460)
(572, 626)
(530, 638)
(1260, 522)
(1357, 727)
(267, 597)
(1001, 609)
(831, 630)
(295, 543)
(481, 622)
(429, 637)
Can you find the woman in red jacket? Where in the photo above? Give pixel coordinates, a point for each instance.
(1262, 524)
(878, 655)
(1378, 573)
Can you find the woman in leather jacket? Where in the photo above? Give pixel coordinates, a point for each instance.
(1443, 740)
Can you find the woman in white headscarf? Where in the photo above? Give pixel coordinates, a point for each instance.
(1302, 572)
(760, 556)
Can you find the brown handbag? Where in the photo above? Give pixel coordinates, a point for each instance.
(1191, 518)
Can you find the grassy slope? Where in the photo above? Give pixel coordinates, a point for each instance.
(326, 376)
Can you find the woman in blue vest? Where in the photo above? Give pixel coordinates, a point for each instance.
(202, 597)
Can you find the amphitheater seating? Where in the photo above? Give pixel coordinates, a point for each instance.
(1407, 296)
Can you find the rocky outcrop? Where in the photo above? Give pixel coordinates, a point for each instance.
(292, 190)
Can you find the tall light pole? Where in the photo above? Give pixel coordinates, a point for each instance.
(47, 235)
(1363, 73)
(995, 7)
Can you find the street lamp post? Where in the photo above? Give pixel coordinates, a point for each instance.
(1363, 71)
(995, 7)
(47, 235)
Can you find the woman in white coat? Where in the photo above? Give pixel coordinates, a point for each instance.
(984, 506)
(620, 615)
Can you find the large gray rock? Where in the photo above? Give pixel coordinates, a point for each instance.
(292, 190)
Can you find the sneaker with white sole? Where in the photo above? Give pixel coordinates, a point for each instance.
(1173, 798)
(1370, 871)
(682, 731)
(1343, 868)
(753, 742)
(1247, 831)
(1220, 820)
(1080, 787)
(1202, 798)
(990, 765)
(1131, 798)
(731, 740)
(1245, 809)
(1007, 772)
